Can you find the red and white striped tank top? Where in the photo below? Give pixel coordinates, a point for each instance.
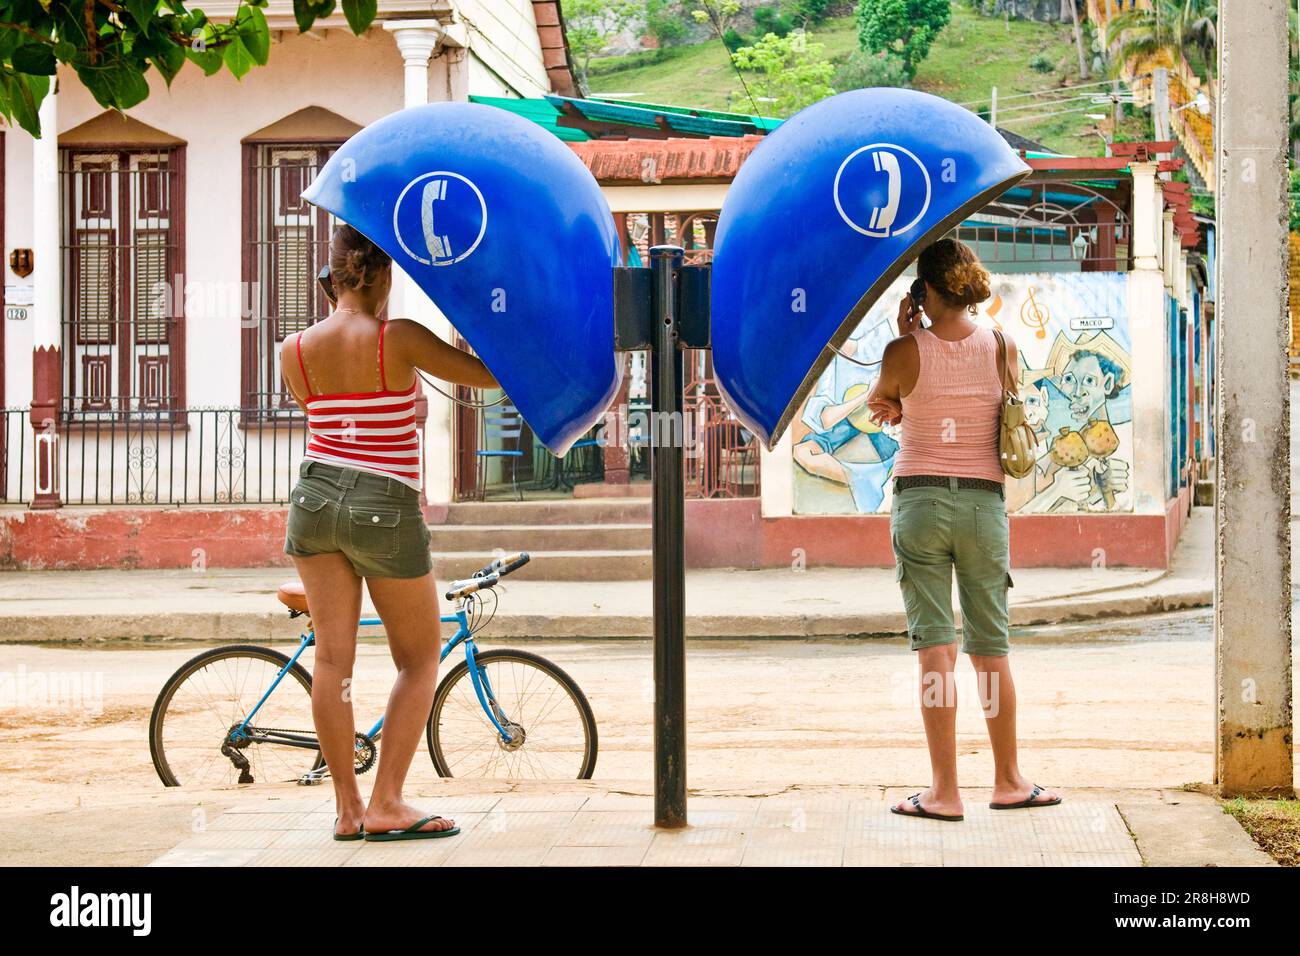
(950, 417)
(370, 431)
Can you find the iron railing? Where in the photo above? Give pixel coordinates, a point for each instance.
(1051, 227)
(123, 278)
(16, 479)
(286, 242)
(190, 456)
(193, 456)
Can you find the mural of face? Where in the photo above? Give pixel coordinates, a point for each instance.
(1086, 386)
(1035, 400)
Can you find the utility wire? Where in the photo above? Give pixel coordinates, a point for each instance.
(717, 28)
(1038, 116)
(1046, 92)
(1047, 105)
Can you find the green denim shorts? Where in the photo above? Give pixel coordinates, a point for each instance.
(934, 530)
(373, 521)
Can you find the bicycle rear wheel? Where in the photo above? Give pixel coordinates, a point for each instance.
(213, 693)
(552, 728)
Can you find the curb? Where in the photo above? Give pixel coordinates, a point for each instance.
(262, 627)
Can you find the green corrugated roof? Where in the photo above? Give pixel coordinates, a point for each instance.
(646, 117)
(539, 111)
(545, 112)
(762, 123)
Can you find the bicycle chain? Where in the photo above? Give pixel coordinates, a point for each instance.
(371, 751)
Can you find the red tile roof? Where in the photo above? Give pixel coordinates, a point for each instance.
(625, 161)
(555, 47)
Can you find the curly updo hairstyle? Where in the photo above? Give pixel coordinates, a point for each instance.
(955, 272)
(355, 261)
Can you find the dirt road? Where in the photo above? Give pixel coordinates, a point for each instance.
(1123, 705)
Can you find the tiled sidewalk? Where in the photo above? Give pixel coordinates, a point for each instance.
(613, 829)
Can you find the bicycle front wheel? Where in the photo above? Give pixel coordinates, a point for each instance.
(211, 694)
(551, 726)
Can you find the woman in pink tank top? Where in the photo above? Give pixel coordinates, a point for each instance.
(948, 514)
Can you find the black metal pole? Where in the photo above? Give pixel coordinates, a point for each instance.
(668, 491)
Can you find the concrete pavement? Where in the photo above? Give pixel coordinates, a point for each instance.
(1112, 715)
(239, 605)
(602, 824)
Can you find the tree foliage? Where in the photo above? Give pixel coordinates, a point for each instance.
(905, 28)
(665, 20)
(113, 44)
(590, 26)
(864, 70)
(807, 13)
(788, 72)
(1185, 26)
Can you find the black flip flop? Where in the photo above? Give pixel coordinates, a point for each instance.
(925, 814)
(1027, 804)
(348, 837)
(413, 832)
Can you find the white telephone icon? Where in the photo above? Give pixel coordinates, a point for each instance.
(882, 217)
(887, 159)
(440, 246)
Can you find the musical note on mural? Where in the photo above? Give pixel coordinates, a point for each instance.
(995, 306)
(1035, 316)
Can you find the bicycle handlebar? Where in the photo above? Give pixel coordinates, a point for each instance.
(504, 565)
(487, 576)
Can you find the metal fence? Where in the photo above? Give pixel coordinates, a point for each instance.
(16, 480)
(1051, 227)
(286, 241)
(123, 276)
(193, 456)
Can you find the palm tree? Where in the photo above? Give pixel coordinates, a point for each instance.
(1184, 26)
(1140, 32)
(1198, 28)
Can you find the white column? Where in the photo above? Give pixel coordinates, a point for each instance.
(47, 370)
(1183, 289)
(1146, 223)
(1169, 246)
(776, 468)
(416, 41)
(1148, 331)
(45, 227)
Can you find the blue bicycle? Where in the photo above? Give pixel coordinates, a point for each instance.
(236, 715)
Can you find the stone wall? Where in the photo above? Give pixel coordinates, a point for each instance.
(1052, 11)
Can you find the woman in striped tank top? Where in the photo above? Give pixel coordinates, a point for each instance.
(944, 383)
(355, 513)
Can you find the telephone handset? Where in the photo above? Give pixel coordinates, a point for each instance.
(917, 292)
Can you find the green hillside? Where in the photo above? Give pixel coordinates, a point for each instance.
(970, 57)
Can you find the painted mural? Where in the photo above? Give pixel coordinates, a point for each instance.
(1072, 333)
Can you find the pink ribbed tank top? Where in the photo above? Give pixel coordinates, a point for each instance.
(950, 419)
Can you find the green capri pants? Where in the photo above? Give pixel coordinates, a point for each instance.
(935, 529)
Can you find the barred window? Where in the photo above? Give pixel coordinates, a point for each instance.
(121, 248)
(286, 243)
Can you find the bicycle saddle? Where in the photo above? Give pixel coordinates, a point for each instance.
(293, 596)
